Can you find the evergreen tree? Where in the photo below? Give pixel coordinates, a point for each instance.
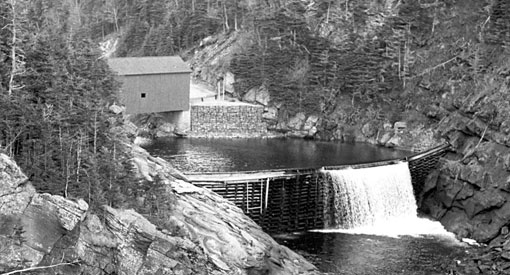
(56, 124)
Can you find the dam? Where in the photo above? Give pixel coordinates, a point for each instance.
(300, 199)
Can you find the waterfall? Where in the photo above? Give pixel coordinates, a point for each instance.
(376, 200)
(371, 196)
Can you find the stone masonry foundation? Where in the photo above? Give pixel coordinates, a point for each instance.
(229, 120)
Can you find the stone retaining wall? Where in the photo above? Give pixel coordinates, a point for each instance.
(227, 121)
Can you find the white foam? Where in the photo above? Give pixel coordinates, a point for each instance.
(470, 242)
(415, 227)
(379, 201)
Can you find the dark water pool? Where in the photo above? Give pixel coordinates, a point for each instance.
(349, 254)
(246, 154)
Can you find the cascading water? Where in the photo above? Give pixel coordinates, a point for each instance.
(376, 200)
(369, 196)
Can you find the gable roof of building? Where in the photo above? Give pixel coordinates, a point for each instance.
(148, 65)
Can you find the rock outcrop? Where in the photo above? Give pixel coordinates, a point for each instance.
(491, 259)
(469, 194)
(31, 223)
(259, 95)
(193, 232)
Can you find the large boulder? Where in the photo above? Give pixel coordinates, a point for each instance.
(385, 137)
(129, 128)
(11, 176)
(482, 201)
(270, 113)
(142, 141)
(369, 130)
(251, 95)
(310, 123)
(116, 109)
(297, 121)
(258, 95)
(263, 96)
(166, 129)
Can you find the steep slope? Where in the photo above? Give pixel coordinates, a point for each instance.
(462, 90)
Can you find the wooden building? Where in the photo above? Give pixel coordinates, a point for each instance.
(153, 84)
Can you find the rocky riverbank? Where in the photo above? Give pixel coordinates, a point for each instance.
(191, 231)
(469, 193)
(492, 259)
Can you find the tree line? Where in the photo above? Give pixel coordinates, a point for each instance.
(54, 95)
(310, 54)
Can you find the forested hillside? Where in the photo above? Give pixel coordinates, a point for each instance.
(159, 27)
(351, 62)
(54, 99)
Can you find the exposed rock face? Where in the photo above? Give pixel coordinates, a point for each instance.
(299, 125)
(470, 193)
(258, 95)
(31, 223)
(165, 130)
(209, 63)
(198, 232)
(116, 109)
(296, 122)
(492, 259)
(142, 141)
(233, 242)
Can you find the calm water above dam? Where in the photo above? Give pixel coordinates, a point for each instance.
(373, 243)
(248, 154)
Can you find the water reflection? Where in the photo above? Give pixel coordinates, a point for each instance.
(245, 154)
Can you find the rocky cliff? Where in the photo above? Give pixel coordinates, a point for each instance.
(469, 193)
(194, 232)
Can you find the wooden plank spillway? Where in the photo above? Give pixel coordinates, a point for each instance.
(288, 200)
